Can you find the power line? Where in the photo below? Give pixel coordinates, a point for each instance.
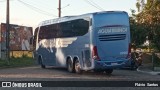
(97, 5)
(94, 5)
(41, 4)
(36, 9)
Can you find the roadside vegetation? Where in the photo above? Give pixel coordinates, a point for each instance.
(156, 60)
(19, 59)
(145, 26)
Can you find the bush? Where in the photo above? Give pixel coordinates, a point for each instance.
(156, 60)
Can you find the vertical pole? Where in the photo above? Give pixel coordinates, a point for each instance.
(153, 55)
(59, 9)
(7, 33)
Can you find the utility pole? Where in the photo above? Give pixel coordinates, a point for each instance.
(59, 9)
(7, 33)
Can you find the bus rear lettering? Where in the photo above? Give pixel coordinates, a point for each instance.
(112, 30)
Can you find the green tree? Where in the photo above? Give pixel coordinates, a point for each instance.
(149, 18)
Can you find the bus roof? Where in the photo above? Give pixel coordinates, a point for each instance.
(69, 18)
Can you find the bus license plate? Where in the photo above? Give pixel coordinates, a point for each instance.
(114, 63)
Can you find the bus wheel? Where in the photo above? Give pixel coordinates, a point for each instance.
(109, 71)
(70, 67)
(77, 67)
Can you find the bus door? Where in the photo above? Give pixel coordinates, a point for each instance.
(86, 58)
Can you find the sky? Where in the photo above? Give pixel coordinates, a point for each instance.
(32, 12)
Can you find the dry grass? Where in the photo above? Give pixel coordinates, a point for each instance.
(17, 54)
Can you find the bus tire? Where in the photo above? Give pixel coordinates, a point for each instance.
(70, 65)
(41, 63)
(109, 71)
(77, 67)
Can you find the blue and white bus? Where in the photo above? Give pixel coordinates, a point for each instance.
(96, 41)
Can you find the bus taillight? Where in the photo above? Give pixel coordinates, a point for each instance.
(95, 53)
(129, 51)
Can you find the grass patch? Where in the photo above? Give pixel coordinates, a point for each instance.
(17, 62)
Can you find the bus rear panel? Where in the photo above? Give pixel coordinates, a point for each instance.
(111, 40)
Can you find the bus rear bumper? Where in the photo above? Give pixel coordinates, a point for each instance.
(109, 64)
